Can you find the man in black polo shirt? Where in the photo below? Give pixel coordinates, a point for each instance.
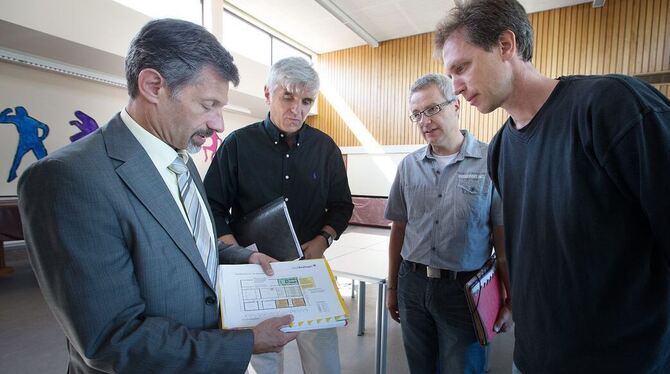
(283, 156)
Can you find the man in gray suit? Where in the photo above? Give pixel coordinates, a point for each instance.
(118, 227)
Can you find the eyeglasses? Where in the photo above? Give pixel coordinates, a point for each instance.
(428, 112)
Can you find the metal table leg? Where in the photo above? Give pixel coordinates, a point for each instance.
(379, 333)
(384, 332)
(361, 308)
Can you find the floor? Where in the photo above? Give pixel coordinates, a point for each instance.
(32, 342)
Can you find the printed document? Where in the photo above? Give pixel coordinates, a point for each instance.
(306, 289)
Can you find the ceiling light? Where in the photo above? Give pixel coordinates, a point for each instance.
(348, 21)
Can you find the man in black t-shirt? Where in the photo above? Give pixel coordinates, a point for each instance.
(582, 167)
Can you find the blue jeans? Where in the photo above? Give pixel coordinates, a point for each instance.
(436, 325)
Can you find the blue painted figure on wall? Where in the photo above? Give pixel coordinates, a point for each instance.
(84, 123)
(29, 138)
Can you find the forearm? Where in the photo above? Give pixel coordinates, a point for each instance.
(231, 253)
(329, 229)
(502, 266)
(337, 217)
(395, 246)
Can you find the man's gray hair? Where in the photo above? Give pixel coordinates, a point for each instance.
(442, 82)
(295, 74)
(178, 50)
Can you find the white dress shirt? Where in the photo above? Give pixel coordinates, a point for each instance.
(162, 155)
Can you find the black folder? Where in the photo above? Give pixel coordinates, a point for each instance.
(270, 228)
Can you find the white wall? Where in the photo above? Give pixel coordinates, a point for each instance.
(52, 99)
(373, 174)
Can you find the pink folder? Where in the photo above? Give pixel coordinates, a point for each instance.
(483, 294)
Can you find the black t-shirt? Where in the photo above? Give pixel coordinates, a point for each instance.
(586, 194)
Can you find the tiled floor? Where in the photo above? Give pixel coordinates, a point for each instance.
(32, 342)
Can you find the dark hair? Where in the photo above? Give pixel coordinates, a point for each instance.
(484, 20)
(178, 50)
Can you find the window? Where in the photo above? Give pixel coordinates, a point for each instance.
(252, 42)
(189, 10)
(281, 50)
(246, 39)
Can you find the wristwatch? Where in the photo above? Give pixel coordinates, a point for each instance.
(329, 238)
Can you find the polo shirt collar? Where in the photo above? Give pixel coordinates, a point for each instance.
(468, 149)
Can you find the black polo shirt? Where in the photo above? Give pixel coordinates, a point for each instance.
(255, 165)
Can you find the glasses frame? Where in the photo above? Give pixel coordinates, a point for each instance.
(422, 113)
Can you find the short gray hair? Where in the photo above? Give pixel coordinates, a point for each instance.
(295, 74)
(178, 50)
(442, 82)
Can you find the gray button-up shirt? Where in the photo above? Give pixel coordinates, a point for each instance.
(449, 213)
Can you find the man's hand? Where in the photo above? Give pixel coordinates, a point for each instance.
(264, 261)
(392, 303)
(315, 247)
(268, 337)
(504, 322)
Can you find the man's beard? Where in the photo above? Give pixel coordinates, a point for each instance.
(193, 148)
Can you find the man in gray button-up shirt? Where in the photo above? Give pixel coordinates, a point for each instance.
(445, 212)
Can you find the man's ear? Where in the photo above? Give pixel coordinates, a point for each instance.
(507, 44)
(266, 93)
(457, 107)
(149, 83)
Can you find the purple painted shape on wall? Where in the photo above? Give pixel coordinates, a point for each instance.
(216, 141)
(84, 123)
(29, 137)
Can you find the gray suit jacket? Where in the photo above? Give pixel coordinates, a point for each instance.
(118, 265)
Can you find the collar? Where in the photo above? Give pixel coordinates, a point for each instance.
(468, 149)
(161, 153)
(277, 135)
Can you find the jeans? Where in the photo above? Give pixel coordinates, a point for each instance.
(436, 324)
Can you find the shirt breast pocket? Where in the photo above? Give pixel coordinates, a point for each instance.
(472, 196)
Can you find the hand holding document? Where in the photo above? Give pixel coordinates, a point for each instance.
(305, 289)
(269, 338)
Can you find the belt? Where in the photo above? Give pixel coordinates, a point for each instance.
(440, 273)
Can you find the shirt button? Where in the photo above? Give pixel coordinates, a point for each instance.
(210, 300)
(438, 172)
(286, 199)
(287, 155)
(436, 222)
(298, 144)
(286, 176)
(440, 195)
(282, 135)
(432, 249)
(275, 142)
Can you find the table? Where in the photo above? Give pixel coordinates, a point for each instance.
(10, 228)
(368, 266)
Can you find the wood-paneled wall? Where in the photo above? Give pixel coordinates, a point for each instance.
(625, 36)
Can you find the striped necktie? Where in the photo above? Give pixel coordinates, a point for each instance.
(196, 216)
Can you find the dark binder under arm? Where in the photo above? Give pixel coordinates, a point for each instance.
(271, 229)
